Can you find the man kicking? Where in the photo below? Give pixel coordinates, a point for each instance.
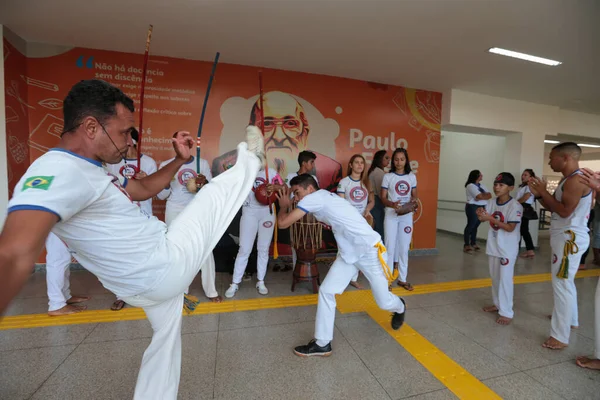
(570, 206)
(359, 249)
(68, 191)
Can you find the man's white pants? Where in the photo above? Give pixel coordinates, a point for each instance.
(191, 238)
(398, 235)
(58, 261)
(337, 280)
(565, 312)
(254, 221)
(501, 272)
(208, 269)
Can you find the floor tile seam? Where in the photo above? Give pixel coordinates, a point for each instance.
(541, 383)
(363, 361)
(63, 361)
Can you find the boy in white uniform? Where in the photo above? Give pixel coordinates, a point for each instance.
(178, 197)
(306, 161)
(570, 206)
(504, 214)
(256, 220)
(68, 191)
(359, 248)
(58, 262)
(398, 191)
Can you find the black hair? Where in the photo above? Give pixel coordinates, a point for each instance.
(531, 173)
(407, 167)
(473, 176)
(304, 180)
(377, 161)
(569, 147)
(505, 177)
(306, 156)
(135, 134)
(94, 98)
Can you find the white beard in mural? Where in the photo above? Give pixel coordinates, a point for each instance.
(292, 125)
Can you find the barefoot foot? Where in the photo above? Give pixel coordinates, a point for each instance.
(585, 362)
(356, 284)
(554, 344)
(77, 299)
(503, 320)
(490, 309)
(218, 299)
(118, 305)
(67, 310)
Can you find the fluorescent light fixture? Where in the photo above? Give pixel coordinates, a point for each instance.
(551, 141)
(523, 56)
(588, 145)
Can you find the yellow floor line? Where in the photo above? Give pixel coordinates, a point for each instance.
(352, 301)
(457, 379)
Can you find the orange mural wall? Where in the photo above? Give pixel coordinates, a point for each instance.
(339, 117)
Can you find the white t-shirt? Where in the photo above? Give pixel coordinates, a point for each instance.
(473, 190)
(352, 232)
(107, 233)
(577, 221)
(126, 170)
(177, 193)
(355, 192)
(399, 186)
(501, 243)
(259, 180)
(522, 191)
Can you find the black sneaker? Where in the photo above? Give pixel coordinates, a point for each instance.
(398, 318)
(313, 349)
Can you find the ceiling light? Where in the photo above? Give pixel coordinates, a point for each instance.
(551, 141)
(588, 145)
(522, 56)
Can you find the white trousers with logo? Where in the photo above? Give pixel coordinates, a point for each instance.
(58, 261)
(502, 271)
(191, 238)
(254, 221)
(398, 235)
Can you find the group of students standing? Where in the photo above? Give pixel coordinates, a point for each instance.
(570, 205)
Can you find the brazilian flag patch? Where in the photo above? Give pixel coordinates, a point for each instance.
(38, 182)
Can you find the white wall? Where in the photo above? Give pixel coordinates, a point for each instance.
(3, 154)
(460, 154)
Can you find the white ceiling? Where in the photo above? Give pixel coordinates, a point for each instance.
(426, 44)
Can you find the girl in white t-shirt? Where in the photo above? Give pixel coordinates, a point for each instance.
(527, 200)
(356, 188)
(477, 197)
(399, 196)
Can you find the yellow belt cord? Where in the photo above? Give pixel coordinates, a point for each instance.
(386, 269)
(570, 248)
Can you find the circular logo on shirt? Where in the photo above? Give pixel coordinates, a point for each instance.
(504, 261)
(402, 188)
(267, 224)
(185, 174)
(408, 229)
(258, 182)
(115, 181)
(554, 258)
(498, 216)
(358, 194)
(128, 171)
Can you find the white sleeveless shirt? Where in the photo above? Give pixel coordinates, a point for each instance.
(578, 220)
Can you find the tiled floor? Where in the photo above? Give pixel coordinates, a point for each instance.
(248, 355)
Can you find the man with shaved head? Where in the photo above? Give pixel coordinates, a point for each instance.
(570, 206)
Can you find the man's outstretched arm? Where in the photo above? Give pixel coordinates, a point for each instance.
(21, 243)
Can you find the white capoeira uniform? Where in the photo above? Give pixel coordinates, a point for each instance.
(178, 197)
(58, 261)
(357, 195)
(135, 256)
(502, 249)
(398, 228)
(357, 251)
(125, 168)
(569, 239)
(287, 182)
(256, 220)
